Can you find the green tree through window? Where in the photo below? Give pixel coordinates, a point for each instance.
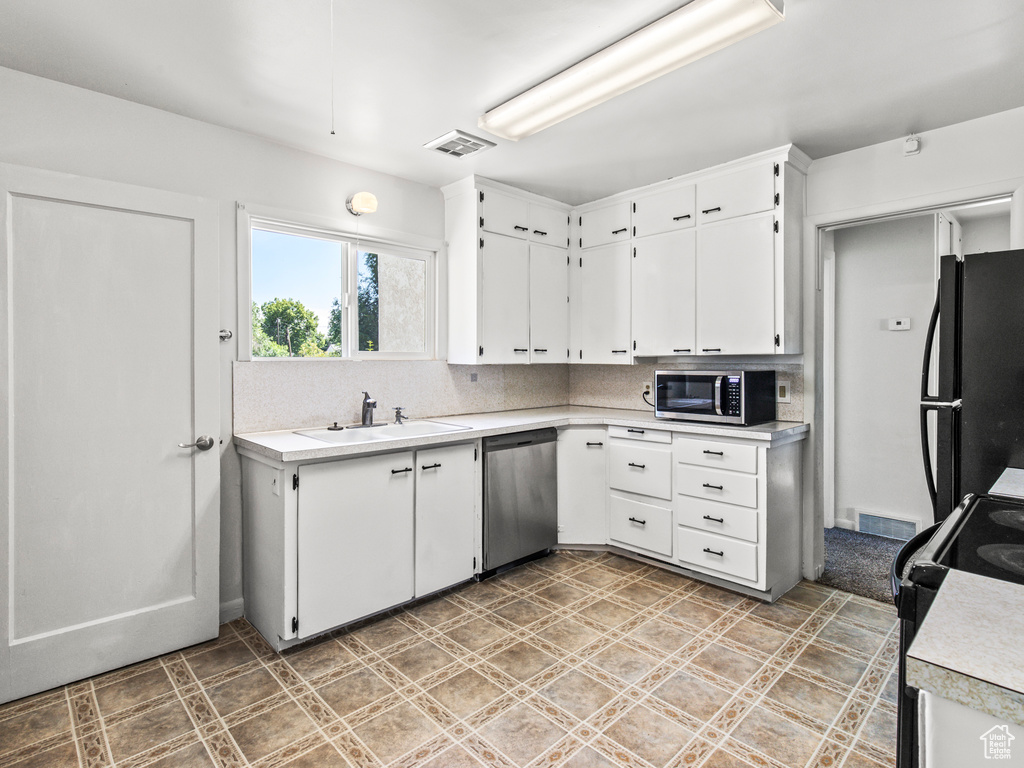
(369, 304)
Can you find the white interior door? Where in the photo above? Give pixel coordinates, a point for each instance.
(109, 531)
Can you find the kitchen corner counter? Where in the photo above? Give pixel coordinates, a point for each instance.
(286, 446)
(968, 648)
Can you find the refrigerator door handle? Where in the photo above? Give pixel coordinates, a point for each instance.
(926, 451)
(928, 343)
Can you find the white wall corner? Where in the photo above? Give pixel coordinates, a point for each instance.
(231, 610)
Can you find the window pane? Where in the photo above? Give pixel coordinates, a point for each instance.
(296, 285)
(392, 303)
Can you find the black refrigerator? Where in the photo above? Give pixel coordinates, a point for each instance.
(978, 321)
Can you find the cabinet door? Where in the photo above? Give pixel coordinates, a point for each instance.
(549, 304)
(604, 305)
(664, 294)
(736, 287)
(737, 194)
(549, 225)
(504, 214)
(605, 225)
(582, 487)
(446, 492)
(505, 300)
(666, 211)
(355, 535)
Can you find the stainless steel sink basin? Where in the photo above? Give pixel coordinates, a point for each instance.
(377, 433)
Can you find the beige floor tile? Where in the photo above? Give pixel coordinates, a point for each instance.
(694, 614)
(722, 759)
(193, 756)
(880, 729)
(663, 636)
(63, 756)
(648, 735)
(36, 725)
(834, 665)
(522, 733)
(355, 691)
(466, 693)
(522, 612)
(476, 634)
(881, 617)
(272, 730)
(597, 576)
(396, 731)
(624, 663)
(437, 612)
(456, 757)
(420, 660)
(522, 661)
(788, 616)
(383, 634)
(756, 636)
(806, 697)
(641, 593)
(588, 758)
(727, 663)
(844, 633)
(692, 695)
(243, 691)
(569, 634)
(578, 694)
(133, 690)
(561, 593)
(220, 659)
(146, 731)
(607, 613)
(785, 741)
(325, 756)
(319, 659)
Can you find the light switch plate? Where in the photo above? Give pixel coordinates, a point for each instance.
(782, 394)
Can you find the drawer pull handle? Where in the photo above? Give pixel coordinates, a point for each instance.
(619, 231)
(520, 229)
(638, 466)
(538, 232)
(713, 552)
(634, 520)
(716, 519)
(681, 350)
(540, 350)
(636, 431)
(430, 466)
(597, 444)
(715, 453)
(519, 349)
(619, 351)
(680, 218)
(716, 209)
(400, 471)
(716, 487)
(712, 349)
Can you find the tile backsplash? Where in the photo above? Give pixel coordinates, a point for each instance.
(279, 394)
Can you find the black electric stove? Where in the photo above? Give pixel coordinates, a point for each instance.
(985, 536)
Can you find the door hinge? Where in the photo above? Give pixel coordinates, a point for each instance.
(567, 354)
(634, 252)
(482, 218)
(581, 221)
(581, 354)
(776, 339)
(776, 202)
(634, 345)
(481, 351)
(481, 242)
(475, 454)
(295, 482)
(634, 231)
(634, 207)
(474, 563)
(295, 624)
(482, 194)
(581, 242)
(776, 169)
(581, 262)
(776, 225)
(567, 261)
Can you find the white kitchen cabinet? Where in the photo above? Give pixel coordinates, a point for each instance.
(582, 485)
(736, 287)
(602, 293)
(491, 232)
(667, 210)
(737, 193)
(549, 304)
(608, 224)
(640, 490)
(445, 517)
(505, 305)
(663, 302)
(355, 539)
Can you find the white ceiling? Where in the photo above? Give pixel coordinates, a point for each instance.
(834, 76)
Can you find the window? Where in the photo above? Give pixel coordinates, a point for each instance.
(319, 293)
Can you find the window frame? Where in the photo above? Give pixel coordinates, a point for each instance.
(352, 239)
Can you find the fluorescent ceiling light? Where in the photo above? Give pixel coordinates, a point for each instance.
(687, 34)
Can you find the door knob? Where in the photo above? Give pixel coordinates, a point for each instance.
(204, 443)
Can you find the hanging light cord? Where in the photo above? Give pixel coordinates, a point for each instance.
(332, 66)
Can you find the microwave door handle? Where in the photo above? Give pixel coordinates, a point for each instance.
(718, 395)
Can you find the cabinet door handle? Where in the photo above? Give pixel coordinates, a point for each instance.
(637, 431)
(716, 487)
(716, 519)
(680, 218)
(597, 444)
(400, 471)
(713, 552)
(620, 231)
(638, 466)
(540, 350)
(430, 466)
(520, 229)
(715, 453)
(619, 351)
(520, 350)
(711, 349)
(538, 232)
(681, 350)
(716, 209)
(634, 520)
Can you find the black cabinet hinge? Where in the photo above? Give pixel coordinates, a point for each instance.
(581, 354)
(776, 169)
(634, 231)
(474, 563)
(776, 339)
(634, 253)
(295, 624)
(581, 221)
(567, 353)
(634, 207)
(482, 194)
(295, 482)
(482, 218)
(481, 351)
(581, 242)
(776, 201)
(634, 345)
(481, 242)
(776, 225)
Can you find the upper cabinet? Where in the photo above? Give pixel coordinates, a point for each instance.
(738, 193)
(506, 214)
(608, 224)
(665, 211)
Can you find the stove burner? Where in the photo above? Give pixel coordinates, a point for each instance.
(1009, 557)
(1012, 518)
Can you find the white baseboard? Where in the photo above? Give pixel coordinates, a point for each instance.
(850, 525)
(231, 610)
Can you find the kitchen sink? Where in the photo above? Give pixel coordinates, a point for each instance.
(377, 433)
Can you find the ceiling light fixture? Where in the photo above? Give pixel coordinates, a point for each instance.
(362, 202)
(687, 34)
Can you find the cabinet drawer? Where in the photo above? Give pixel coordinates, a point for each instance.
(706, 453)
(640, 433)
(728, 487)
(709, 552)
(713, 517)
(641, 525)
(605, 225)
(666, 211)
(549, 225)
(504, 215)
(640, 469)
(736, 194)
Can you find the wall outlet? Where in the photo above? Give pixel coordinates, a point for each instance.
(783, 395)
(647, 387)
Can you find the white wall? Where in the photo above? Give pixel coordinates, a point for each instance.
(985, 235)
(883, 270)
(44, 124)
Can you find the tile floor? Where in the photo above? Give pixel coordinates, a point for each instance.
(581, 660)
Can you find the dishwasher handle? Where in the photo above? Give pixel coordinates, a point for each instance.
(519, 439)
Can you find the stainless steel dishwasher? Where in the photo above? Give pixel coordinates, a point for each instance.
(520, 496)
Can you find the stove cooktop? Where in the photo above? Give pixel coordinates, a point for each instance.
(989, 541)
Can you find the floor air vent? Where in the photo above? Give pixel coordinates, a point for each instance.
(459, 144)
(891, 527)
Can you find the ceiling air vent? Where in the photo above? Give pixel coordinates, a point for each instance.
(459, 144)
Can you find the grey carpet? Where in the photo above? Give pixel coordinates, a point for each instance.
(859, 563)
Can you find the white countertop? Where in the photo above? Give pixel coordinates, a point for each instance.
(969, 647)
(285, 445)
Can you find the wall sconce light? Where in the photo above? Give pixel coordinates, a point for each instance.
(362, 202)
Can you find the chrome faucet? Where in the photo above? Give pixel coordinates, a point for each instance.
(399, 416)
(368, 405)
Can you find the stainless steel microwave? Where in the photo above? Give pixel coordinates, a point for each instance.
(725, 397)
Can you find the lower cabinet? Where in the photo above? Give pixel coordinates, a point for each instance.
(640, 490)
(445, 517)
(582, 487)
